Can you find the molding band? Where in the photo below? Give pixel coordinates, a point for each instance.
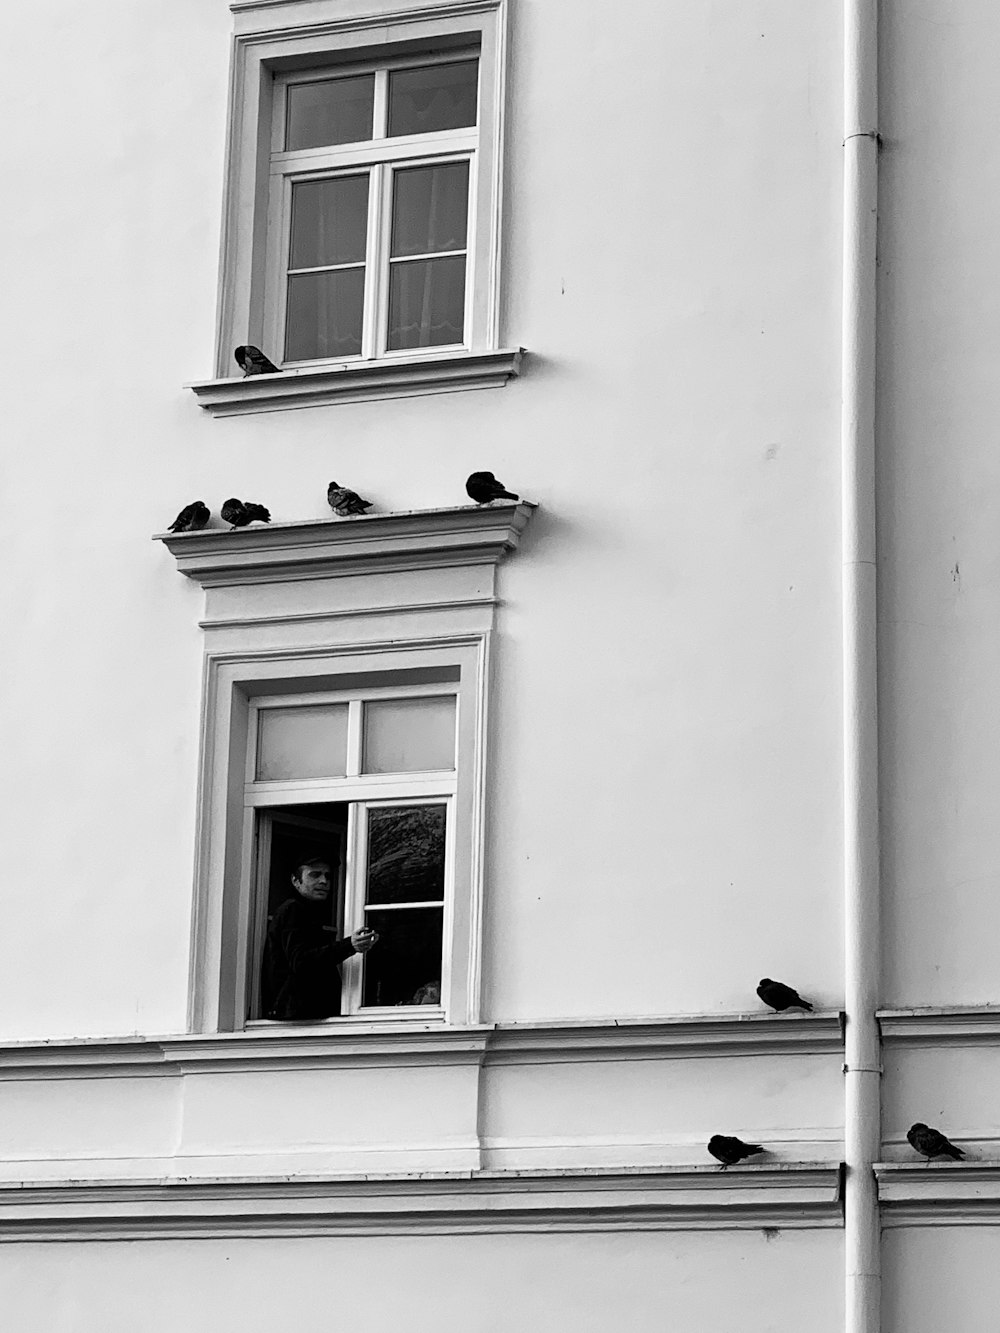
(804, 1195)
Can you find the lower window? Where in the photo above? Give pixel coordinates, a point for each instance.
(349, 811)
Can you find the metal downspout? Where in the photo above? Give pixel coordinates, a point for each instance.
(861, 834)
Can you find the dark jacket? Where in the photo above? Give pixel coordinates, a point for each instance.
(300, 975)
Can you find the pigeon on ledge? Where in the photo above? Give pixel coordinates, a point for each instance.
(191, 518)
(779, 996)
(484, 487)
(240, 515)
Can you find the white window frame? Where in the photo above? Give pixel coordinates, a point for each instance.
(360, 792)
(227, 889)
(335, 36)
(381, 157)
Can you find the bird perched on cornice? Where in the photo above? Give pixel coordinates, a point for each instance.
(191, 518)
(484, 487)
(240, 515)
(728, 1149)
(345, 502)
(779, 996)
(931, 1142)
(252, 361)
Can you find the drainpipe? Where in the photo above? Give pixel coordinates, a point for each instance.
(861, 836)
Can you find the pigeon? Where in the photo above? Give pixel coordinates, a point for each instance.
(779, 996)
(484, 487)
(345, 502)
(728, 1149)
(931, 1143)
(191, 518)
(252, 361)
(239, 514)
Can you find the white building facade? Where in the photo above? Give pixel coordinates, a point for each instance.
(591, 760)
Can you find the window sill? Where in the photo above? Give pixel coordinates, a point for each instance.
(358, 382)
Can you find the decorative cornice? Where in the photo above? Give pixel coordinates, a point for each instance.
(358, 382)
(344, 1043)
(802, 1195)
(368, 544)
(939, 1193)
(974, 1025)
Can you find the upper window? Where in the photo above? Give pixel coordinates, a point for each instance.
(362, 228)
(370, 252)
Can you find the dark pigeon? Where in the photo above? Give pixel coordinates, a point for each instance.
(728, 1149)
(931, 1142)
(345, 502)
(191, 518)
(252, 361)
(484, 487)
(779, 996)
(239, 515)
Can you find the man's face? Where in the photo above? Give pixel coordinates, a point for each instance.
(314, 883)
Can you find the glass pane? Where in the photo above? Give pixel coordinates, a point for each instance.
(404, 967)
(430, 207)
(426, 302)
(309, 742)
(333, 111)
(409, 735)
(438, 97)
(324, 313)
(329, 222)
(405, 854)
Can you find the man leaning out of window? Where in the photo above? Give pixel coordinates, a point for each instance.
(301, 977)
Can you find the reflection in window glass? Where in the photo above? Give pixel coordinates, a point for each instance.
(437, 97)
(427, 303)
(404, 967)
(409, 735)
(324, 314)
(430, 208)
(329, 112)
(329, 221)
(405, 854)
(306, 742)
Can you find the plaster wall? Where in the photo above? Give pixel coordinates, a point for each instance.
(939, 483)
(940, 1277)
(641, 1281)
(664, 775)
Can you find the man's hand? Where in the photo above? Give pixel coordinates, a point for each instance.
(363, 939)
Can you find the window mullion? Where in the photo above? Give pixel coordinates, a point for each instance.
(354, 737)
(354, 880)
(384, 247)
(381, 108)
(369, 327)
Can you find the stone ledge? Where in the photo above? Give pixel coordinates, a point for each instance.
(368, 544)
(344, 1043)
(802, 1195)
(358, 382)
(939, 1193)
(971, 1025)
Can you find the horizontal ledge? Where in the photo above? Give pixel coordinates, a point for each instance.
(806, 1194)
(953, 1026)
(343, 1044)
(369, 543)
(939, 1193)
(358, 381)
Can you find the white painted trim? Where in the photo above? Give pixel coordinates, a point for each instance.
(368, 544)
(939, 1193)
(975, 1025)
(359, 381)
(657, 1199)
(350, 1042)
